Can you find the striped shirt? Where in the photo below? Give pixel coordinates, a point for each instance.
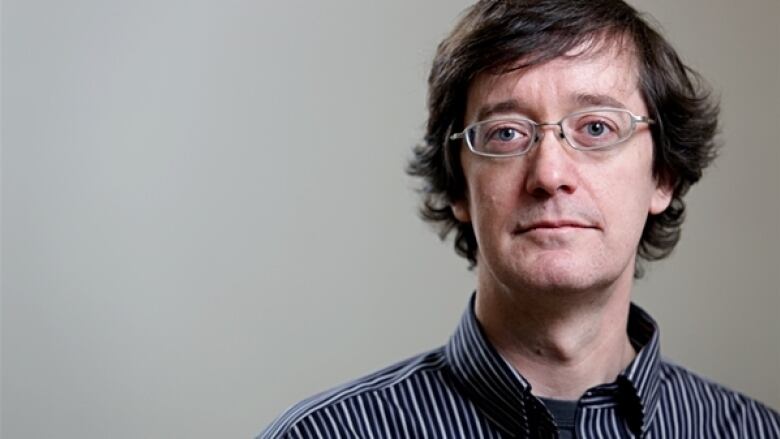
(465, 389)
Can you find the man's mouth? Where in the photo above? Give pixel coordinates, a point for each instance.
(552, 226)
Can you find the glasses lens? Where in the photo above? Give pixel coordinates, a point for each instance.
(598, 129)
(501, 137)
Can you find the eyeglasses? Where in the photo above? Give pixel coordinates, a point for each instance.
(587, 130)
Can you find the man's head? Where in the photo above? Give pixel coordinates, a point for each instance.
(550, 58)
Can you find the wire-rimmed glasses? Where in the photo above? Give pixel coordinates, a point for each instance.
(586, 130)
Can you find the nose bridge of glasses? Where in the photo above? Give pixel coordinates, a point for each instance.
(539, 130)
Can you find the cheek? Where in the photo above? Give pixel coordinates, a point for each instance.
(493, 189)
(626, 201)
(494, 194)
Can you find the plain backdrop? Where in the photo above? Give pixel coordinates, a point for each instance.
(205, 216)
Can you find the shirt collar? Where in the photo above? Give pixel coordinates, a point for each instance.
(502, 394)
(643, 373)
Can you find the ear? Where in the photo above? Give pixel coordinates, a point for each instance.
(460, 209)
(662, 196)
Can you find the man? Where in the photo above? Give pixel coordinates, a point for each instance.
(562, 136)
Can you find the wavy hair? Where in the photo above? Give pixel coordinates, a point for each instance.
(493, 35)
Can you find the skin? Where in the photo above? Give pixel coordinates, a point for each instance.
(558, 229)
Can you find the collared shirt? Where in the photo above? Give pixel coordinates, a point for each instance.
(465, 389)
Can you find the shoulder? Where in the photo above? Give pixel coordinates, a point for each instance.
(724, 409)
(349, 407)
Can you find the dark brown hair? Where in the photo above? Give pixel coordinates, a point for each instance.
(494, 35)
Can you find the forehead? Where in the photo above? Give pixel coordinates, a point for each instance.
(550, 90)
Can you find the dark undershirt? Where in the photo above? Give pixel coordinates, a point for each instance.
(563, 413)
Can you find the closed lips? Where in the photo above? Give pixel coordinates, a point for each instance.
(558, 224)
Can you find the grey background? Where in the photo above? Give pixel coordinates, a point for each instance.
(205, 218)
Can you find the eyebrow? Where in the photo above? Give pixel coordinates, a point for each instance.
(508, 106)
(579, 100)
(597, 100)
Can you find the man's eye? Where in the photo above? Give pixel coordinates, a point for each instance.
(597, 128)
(594, 131)
(501, 136)
(505, 134)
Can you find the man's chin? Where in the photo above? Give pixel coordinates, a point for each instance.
(559, 275)
(553, 281)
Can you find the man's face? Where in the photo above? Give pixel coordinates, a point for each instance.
(558, 218)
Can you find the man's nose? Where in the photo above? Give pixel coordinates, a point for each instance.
(549, 165)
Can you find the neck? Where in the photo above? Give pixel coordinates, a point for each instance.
(563, 343)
